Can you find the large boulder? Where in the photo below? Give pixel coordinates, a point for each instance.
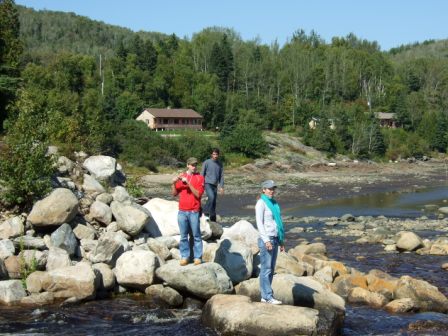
(163, 221)
(65, 239)
(238, 315)
(130, 218)
(245, 232)
(61, 206)
(297, 291)
(236, 258)
(136, 269)
(109, 248)
(426, 296)
(204, 280)
(11, 291)
(101, 167)
(408, 241)
(77, 281)
(12, 227)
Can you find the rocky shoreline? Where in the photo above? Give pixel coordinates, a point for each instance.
(89, 239)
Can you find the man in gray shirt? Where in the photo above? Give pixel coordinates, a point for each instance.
(213, 172)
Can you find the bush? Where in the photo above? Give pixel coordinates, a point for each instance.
(247, 140)
(25, 171)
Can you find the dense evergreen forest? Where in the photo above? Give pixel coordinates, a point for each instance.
(79, 84)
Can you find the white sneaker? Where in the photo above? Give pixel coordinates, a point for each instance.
(272, 301)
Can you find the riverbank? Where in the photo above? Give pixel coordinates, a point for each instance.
(316, 182)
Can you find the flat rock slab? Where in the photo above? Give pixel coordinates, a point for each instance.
(236, 314)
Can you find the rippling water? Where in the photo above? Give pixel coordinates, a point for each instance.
(137, 315)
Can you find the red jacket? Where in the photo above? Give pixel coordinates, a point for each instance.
(187, 201)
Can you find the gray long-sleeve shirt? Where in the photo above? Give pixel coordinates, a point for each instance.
(265, 221)
(213, 172)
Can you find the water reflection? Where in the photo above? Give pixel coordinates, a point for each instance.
(390, 204)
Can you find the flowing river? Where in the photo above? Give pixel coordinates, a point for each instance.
(137, 315)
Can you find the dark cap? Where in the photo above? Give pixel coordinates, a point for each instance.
(192, 161)
(268, 184)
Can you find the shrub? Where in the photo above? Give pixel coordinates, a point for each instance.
(25, 171)
(247, 140)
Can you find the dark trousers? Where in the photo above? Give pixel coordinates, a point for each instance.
(210, 207)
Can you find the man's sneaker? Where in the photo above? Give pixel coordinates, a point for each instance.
(272, 301)
(197, 262)
(183, 262)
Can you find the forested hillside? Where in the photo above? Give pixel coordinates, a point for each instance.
(86, 81)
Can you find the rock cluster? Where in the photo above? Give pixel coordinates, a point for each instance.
(89, 238)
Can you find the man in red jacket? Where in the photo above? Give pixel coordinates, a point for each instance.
(190, 187)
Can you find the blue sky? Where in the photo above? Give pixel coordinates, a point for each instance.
(389, 22)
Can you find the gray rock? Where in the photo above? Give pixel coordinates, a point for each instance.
(245, 232)
(110, 247)
(6, 248)
(82, 231)
(64, 238)
(65, 165)
(426, 296)
(409, 241)
(236, 314)
(107, 276)
(105, 198)
(101, 212)
(11, 291)
(204, 280)
(30, 242)
(100, 166)
(136, 269)
(298, 291)
(121, 195)
(159, 248)
(167, 294)
(91, 185)
(443, 210)
(74, 281)
(57, 258)
(61, 206)
(236, 258)
(12, 227)
(3, 271)
(348, 218)
(130, 218)
(38, 299)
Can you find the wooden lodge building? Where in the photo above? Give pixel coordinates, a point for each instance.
(171, 119)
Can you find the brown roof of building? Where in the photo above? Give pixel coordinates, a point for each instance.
(385, 115)
(179, 113)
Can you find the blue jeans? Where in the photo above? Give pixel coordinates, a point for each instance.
(210, 207)
(189, 225)
(267, 267)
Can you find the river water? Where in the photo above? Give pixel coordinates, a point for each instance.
(137, 315)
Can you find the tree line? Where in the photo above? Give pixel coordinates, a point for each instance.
(87, 82)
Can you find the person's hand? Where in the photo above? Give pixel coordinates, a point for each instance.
(282, 248)
(268, 245)
(221, 191)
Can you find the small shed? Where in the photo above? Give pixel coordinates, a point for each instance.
(171, 119)
(386, 119)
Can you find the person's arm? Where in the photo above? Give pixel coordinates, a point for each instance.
(174, 190)
(259, 216)
(221, 180)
